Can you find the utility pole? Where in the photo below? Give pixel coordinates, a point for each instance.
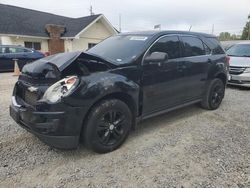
(120, 23)
(91, 10)
(249, 27)
(190, 28)
(213, 29)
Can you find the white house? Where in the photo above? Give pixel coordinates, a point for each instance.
(51, 33)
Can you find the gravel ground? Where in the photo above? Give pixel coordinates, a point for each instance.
(190, 147)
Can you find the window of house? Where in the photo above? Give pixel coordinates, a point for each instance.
(33, 45)
(90, 45)
(169, 45)
(193, 47)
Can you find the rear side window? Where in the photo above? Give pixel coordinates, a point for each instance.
(214, 44)
(193, 46)
(169, 45)
(4, 50)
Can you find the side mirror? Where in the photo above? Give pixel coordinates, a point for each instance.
(156, 57)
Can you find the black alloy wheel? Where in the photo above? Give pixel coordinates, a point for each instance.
(214, 95)
(111, 127)
(107, 126)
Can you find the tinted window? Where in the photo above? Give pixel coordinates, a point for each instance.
(120, 49)
(193, 47)
(4, 50)
(207, 49)
(17, 50)
(214, 44)
(169, 45)
(241, 50)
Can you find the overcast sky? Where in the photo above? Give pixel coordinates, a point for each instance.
(226, 15)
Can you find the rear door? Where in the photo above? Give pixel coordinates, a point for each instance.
(194, 66)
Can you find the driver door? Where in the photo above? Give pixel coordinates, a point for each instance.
(162, 81)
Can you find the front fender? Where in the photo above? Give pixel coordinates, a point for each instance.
(98, 85)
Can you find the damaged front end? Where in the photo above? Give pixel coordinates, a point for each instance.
(36, 101)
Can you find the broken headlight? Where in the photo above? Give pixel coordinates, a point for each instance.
(62, 88)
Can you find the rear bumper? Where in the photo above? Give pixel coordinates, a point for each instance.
(57, 128)
(240, 80)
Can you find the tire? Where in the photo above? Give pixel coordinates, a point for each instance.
(108, 125)
(214, 95)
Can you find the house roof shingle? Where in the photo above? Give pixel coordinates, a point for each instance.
(22, 21)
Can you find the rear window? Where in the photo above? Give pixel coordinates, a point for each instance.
(193, 47)
(214, 44)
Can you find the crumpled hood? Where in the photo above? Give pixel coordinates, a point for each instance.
(61, 61)
(54, 64)
(239, 61)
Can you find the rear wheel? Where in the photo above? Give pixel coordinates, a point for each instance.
(214, 95)
(108, 126)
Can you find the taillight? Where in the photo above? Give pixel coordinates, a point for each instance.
(228, 59)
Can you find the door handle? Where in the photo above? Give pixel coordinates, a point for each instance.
(182, 66)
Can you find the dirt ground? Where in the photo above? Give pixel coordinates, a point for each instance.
(190, 147)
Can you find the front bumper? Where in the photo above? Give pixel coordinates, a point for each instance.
(57, 125)
(240, 80)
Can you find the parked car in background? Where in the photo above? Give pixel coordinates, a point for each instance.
(239, 64)
(10, 53)
(99, 95)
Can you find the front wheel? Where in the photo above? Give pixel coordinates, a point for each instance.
(107, 126)
(214, 95)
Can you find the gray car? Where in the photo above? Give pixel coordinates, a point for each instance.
(239, 64)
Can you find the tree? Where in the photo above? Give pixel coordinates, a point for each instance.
(245, 33)
(225, 36)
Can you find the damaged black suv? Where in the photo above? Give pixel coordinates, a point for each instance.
(97, 96)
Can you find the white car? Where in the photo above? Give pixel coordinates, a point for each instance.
(239, 64)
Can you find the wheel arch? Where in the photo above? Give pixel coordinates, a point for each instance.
(124, 97)
(223, 77)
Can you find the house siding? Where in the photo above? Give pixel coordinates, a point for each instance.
(9, 40)
(94, 34)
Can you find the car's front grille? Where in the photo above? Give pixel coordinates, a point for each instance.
(27, 96)
(236, 70)
(30, 97)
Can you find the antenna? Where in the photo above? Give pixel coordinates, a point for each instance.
(213, 29)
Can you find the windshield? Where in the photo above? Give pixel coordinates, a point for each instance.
(239, 50)
(120, 49)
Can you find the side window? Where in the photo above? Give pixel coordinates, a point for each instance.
(12, 50)
(169, 45)
(5, 50)
(193, 46)
(207, 49)
(1, 50)
(214, 44)
(20, 50)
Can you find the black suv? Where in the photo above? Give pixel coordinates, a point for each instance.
(97, 96)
